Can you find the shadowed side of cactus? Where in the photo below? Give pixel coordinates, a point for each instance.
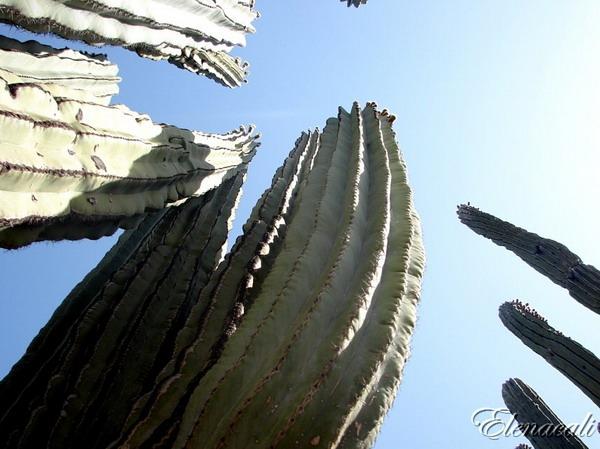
(578, 364)
(548, 257)
(355, 3)
(536, 420)
(104, 346)
(76, 168)
(319, 314)
(196, 36)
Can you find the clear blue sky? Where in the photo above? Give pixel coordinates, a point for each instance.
(498, 103)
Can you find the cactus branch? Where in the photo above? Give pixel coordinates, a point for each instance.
(550, 258)
(196, 36)
(578, 364)
(535, 418)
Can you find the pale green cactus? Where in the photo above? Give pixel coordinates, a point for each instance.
(73, 167)
(196, 36)
(313, 306)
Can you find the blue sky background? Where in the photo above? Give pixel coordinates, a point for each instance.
(498, 103)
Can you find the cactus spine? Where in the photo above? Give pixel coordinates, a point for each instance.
(314, 305)
(196, 36)
(578, 364)
(535, 418)
(550, 258)
(73, 167)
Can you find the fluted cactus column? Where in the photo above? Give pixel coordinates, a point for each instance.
(578, 364)
(73, 167)
(546, 256)
(196, 36)
(106, 343)
(314, 305)
(536, 419)
(321, 313)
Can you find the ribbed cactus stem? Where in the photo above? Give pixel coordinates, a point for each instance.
(578, 364)
(548, 257)
(320, 313)
(355, 3)
(196, 36)
(104, 346)
(75, 169)
(537, 418)
(313, 306)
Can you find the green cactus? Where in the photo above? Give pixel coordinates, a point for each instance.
(76, 168)
(535, 417)
(196, 36)
(578, 364)
(548, 257)
(314, 305)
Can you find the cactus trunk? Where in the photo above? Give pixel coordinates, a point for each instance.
(550, 258)
(535, 416)
(73, 167)
(313, 306)
(578, 364)
(196, 36)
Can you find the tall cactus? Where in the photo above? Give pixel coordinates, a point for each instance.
(537, 418)
(578, 364)
(313, 306)
(196, 36)
(72, 167)
(548, 257)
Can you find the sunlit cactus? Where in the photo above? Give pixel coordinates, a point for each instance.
(196, 36)
(297, 339)
(578, 364)
(548, 257)
(355, 3)
(73, 167)
(536, 420)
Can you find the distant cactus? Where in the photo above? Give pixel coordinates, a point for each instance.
(538, 422)
(548, 257)
(578, 364)
(313, 306)
(356, 3)
(73, 167)
(196, 36)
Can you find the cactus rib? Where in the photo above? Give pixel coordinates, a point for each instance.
(550, 258)
(196, 36)
(578, 364)
(65, 162)
(530, 410)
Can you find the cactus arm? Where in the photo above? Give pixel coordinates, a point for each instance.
(197, 37)
(578, 364)
(550, 258)
(82, 76)
(119, 334)
(73, 169)
(529, 409)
